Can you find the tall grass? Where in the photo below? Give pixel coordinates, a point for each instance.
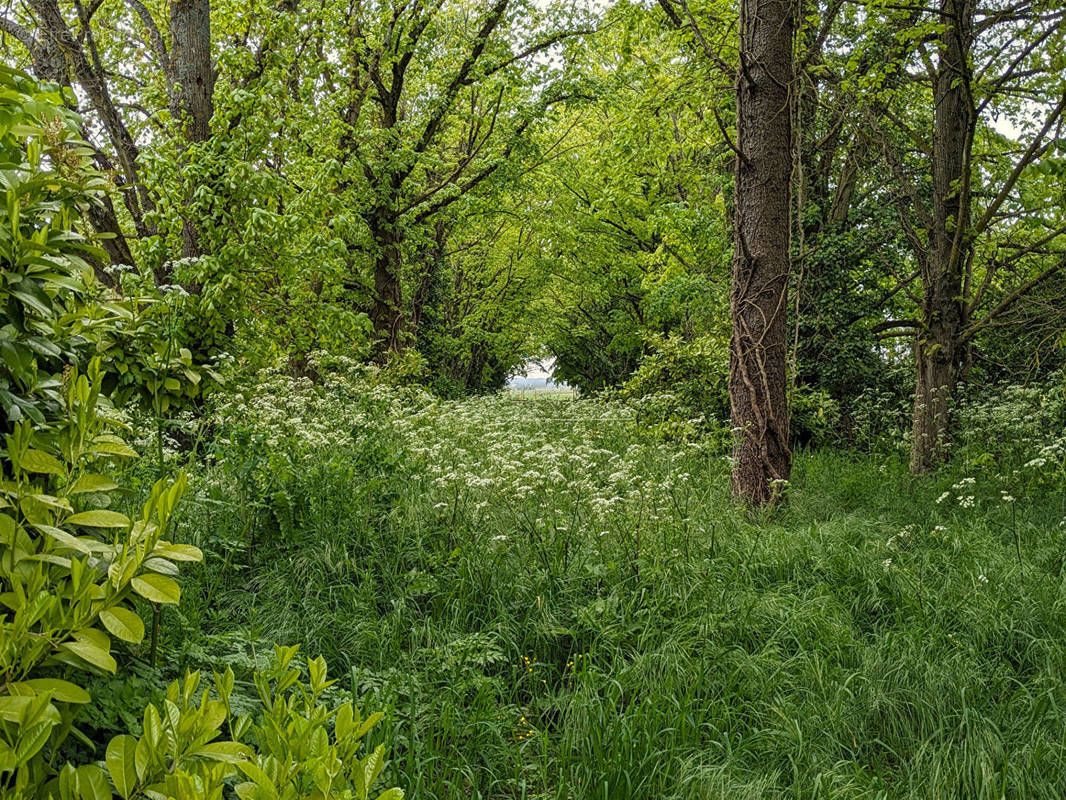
(553, 607)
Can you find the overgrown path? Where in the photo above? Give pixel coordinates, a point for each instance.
(556, 605)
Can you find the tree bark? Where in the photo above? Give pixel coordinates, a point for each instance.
(190, 53)
(939, 351)
(60, 43)
(387, 307)
(192, 100)
(761, 261)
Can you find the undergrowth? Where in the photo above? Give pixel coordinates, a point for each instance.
(554, 606)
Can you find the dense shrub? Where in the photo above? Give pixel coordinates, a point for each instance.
(816, 418)
(73, 574)
(681, 388)
(76, 573)
(46, 283)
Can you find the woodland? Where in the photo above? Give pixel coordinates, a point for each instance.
(276, 523)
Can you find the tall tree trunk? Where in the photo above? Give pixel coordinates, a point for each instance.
(761, 261)
(938, 350)
(387, 308)
(192, 102)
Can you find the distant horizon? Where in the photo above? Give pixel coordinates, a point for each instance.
(537, 373)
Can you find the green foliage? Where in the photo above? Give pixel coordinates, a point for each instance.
(816, 418)
(149, 365)
(56, 313)
(1021, 423)
(301, 747)
(552, 603)
(45, 279)
(70, 569)
(680, 390)
(635, 216)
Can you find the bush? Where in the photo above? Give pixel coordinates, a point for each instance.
(680, 391)
(46, 282)
(815, 418)
(56, 313)
(72, 571)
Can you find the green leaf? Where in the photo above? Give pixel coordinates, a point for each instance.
(91, 652)
(369, 723)
(391, 794)
(113, 449)
(229, 752)
(12, 708)
(7, 530)
(373, 765)
(160, 565)
(91, 483)
(82, 544)
(256, 773)
(38, 461)
(99, 518)
(31, 741)
(178, 552)
(63, 691)
(121, 765)
(157, 588)
(92, 783)
(123, 623)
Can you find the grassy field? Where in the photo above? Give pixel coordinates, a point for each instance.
(549, 605)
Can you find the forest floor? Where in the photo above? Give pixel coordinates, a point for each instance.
(547, 604)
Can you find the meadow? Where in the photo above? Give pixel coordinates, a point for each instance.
(549, 603)
(777, 511)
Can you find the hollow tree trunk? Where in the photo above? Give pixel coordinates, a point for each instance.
(938, 350)
(761, 262)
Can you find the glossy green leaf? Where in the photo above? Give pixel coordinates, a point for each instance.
(157, 588)
(121, 765)
(99, 518)
(123, 623)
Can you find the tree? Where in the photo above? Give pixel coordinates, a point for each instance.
(191, 79)
(631, 205)
(982, 246)
(436, 101)
(758, 389)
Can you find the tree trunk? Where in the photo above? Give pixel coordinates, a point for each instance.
(190, 32)
(387, 310)
(761, 261)
(938, 351)
(60, 42)
(933, 393)
(192, 102)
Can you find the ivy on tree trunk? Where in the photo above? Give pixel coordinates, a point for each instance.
(761, 260)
